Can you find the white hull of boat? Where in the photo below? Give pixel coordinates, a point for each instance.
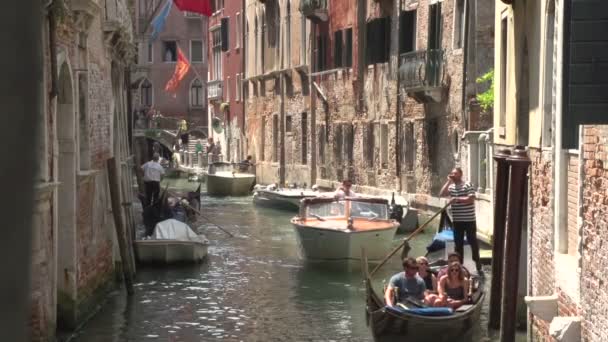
(226, 184)
(170, 251)
(329, 244)
(290, 199)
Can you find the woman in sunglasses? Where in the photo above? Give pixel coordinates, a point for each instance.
(425, 273)
(454, 287)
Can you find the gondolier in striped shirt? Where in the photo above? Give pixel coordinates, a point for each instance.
(462, 199)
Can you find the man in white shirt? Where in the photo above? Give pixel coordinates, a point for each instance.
(153, 172)
(345, 190)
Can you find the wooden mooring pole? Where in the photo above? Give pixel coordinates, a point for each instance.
(118, 224)
(498, 237)
(519, 164)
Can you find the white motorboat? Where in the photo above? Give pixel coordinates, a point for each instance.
(172, 242)
(288, 199)
(222, 180)
(331, 229)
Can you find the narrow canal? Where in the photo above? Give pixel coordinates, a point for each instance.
(253, 287)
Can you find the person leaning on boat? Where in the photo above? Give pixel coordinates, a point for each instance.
(405, 285)
(462, 199)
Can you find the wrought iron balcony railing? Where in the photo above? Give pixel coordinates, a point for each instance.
(315, 10)
(422, 70)
(214, 90)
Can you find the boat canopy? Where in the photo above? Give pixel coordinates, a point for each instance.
(174, 230)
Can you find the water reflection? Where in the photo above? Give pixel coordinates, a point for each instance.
(253, 287)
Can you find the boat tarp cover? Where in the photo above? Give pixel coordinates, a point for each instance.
(174, 230)
(440, 311)
(440, 239)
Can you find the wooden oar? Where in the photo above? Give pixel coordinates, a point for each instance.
(208, 220)
(407, 239)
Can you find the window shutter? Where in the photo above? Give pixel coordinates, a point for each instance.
(585, 67)
(224, 32)
(338, 49)
(349, 48)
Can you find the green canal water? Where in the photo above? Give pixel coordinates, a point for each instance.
(253, 287)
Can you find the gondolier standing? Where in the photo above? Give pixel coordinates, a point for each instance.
(153, 172)
(462, 199)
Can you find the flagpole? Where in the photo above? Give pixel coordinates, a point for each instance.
(160, 3)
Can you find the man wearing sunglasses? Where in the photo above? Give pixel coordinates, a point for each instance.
(405, 285)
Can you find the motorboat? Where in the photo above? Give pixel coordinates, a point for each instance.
(224, 180)
(328, 228)
(287, 199)
(172, 242)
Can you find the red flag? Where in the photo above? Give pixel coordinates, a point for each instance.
(196, 6)
(181, 69)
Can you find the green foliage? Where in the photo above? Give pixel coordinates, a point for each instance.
(486, 99)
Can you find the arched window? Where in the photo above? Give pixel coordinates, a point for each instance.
(196, 93)
(146, 93)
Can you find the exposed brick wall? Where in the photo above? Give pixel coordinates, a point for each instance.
(594, 278)
(541, 255)
(572, 202)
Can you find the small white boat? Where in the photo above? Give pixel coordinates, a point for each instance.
(172, 242)
(222, 180)
(288, 199)
(331, 229)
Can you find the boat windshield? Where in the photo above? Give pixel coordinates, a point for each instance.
(367, 210)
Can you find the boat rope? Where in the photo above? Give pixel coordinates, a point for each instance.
(407, 239)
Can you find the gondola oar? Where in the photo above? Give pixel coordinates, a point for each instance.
(407, 239)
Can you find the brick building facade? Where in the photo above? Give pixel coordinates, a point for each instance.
(542, 71)
(322, 91)
(87, 50)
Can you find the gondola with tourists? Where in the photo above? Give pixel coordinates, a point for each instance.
(411, 320)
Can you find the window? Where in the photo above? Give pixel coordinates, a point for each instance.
(225, 32)
(435, 24)
(217, 54)
(378, 41)
(304, 131)
(218, 5)
(338, 49)
(303, 40)
(322, 52)
(263, 139)
(228, 89)
(146, 93)
(145, 8)
(83, 92)
(349, 141)
(169, 51)
(407, 31)
(321, 136)
(239, 87)
(409, 150)
(459, 24)
(348, 48)
(384, 146)
(548, 78)
(196, 93)
(239, 30)
(368, 144)
(150, 53)
(338, 139)
(288, 124)
(503, 76)
(275, 138)
(196, 51)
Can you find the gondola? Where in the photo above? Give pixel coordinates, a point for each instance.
(413, 322)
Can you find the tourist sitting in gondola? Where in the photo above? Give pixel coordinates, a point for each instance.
(430, 281)
(408, 287)
(453, 257)
(454, 288)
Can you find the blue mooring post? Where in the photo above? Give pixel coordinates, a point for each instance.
(519, 164)
(498, 238)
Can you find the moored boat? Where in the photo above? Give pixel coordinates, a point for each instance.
(172, 242)
(287, 199)
(223, 181)
(332, 229)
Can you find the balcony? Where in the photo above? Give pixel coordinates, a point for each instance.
(214, 90)
(315, 10)
(422, 75)
(117, 19)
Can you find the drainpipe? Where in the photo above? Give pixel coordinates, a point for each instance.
(398, 118)
(465, 56)
(282, 130)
